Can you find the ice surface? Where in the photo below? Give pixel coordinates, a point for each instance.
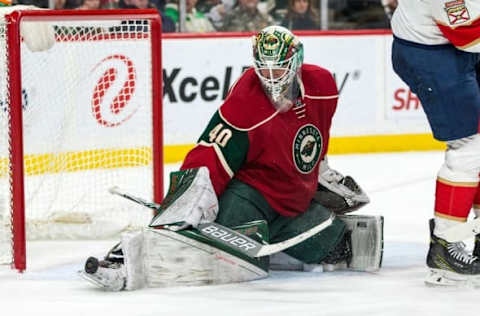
(401, 187)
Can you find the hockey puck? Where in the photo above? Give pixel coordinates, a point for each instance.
(91, 266)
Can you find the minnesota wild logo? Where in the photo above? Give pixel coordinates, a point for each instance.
(307, 147)
(271, 42)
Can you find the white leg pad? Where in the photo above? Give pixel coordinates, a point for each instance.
(171, 259)
(133, 252)
(367, 241)
(367, 248)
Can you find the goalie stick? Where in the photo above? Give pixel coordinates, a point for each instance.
(232, 238)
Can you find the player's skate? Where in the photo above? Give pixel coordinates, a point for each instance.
(476, 249)
(108, 274)
(450, 264)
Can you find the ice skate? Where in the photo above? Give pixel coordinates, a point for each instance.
(476, 249)
(108, 274)
(451, 264)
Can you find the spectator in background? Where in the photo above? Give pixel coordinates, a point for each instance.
(216, 10)
(109, 4)
(360, 14)
(59, 4)
(389, 6)
(168, 26)
(206, 5)
(89, 5)
(245, 17)
(301, 15)
(195, 21)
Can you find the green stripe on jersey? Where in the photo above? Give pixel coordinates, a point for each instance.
(232, 143)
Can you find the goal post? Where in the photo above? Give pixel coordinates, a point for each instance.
(78, 115)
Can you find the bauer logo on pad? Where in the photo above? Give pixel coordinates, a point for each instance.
(229, 237)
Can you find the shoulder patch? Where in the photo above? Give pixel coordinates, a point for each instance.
(457, 12)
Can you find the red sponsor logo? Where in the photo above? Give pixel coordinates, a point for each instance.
(112, 93)
(405, 100)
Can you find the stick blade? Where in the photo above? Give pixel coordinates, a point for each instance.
(274, 248)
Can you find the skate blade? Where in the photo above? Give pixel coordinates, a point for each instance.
(92, 279)
(442, 278)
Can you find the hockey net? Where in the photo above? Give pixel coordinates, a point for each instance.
(77, 116)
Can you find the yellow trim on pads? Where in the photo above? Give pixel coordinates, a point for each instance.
(346, 145)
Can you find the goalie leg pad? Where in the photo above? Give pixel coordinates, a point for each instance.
(133, 252)
(185, 258)
(367, 241)
(366, 248)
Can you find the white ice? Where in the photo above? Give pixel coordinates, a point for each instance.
(401, 187)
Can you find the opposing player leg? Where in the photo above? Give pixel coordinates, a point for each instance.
(451, 103)
(450, 264)
(457, 183)
(476, 204)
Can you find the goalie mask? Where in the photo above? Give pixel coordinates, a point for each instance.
(278, 57)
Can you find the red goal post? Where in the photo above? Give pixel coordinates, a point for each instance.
(78, 117)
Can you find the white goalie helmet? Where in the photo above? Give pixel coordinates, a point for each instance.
(278, 57)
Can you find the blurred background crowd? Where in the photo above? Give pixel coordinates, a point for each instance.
(200, 16)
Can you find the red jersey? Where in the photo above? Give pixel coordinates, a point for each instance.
(276, 153)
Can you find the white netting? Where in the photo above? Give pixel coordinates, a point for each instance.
(87, 126)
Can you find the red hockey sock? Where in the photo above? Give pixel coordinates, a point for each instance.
(454, 200)
(476, 202)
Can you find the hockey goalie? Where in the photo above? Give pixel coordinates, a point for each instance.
(256, 183)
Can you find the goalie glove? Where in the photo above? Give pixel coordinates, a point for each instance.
(340, 194)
